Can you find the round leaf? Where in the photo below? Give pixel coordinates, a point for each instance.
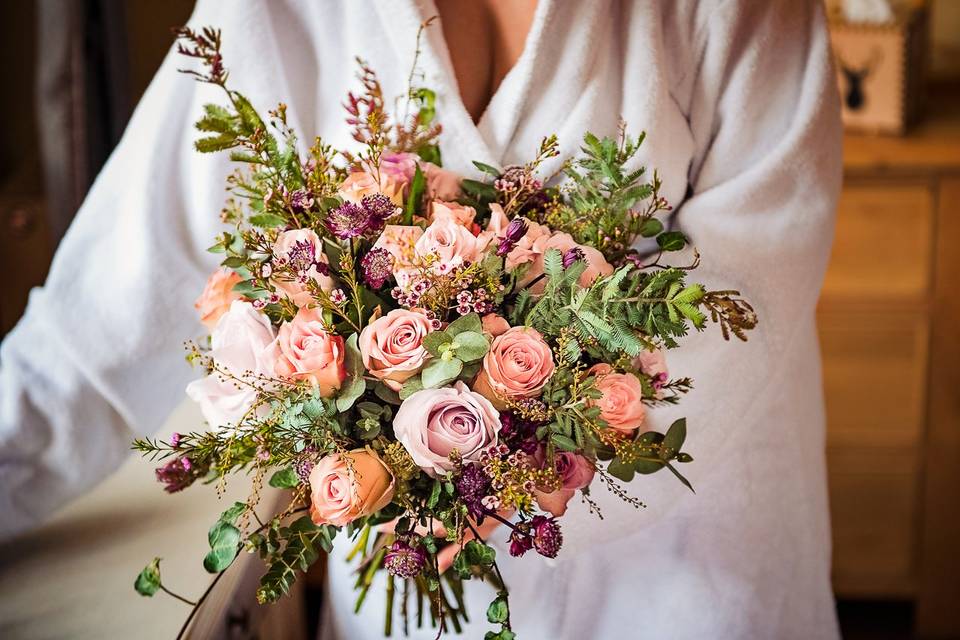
(471, 346)
(439, 371)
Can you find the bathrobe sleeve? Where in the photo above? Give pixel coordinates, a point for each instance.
(764, 115)
(98, 357)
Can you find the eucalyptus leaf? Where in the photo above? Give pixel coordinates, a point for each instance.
(410, 387)
(439, 371)
(469, 322)
(224, 545)
(619, 470)
(471, 346)
(432, 342)
(355, 384)
(673, 440)
(672, 241)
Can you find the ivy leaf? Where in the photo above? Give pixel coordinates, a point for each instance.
(355, 384)
(224, 545)
(469, 322)
(148, 582)
(284, 479)
(471, 346)
(671, 241)
(497, 611)
(439, 371)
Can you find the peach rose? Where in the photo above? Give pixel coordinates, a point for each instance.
(450, 244)
(392, 346)
(461, 214)
(302, 249)
(241, 343)
(494, 325)
(217, 296)
(305, 351)
(621, 405)
(534, 251)
(575, 472)
(433, 423)
(344, 487)
(360, 184)
(399, 166)
(441, 184)
(518, 364)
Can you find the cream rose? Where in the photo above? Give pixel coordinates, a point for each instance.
(301, 249)
(344, 487)
(518, 365)
(242, 344)
(392, 346)
(433, 423)
(621, 405)
(305, 351)
(217, 296)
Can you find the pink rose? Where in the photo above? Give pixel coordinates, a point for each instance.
(360, 184)
(534, 251)
(531, 245)
(494, 325)
(241, 344)
(400, 167)
(621, 405)
(653, 363)
(302, 250)
(433, 423)
(575, 472)
(449, 244)
(518, 365)
(392, 346)
(441, 184)
(217, 296)
(461, 214)
(342, 491)
(305, 351)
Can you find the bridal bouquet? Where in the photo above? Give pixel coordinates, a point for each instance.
(415, 355)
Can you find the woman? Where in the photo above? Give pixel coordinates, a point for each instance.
(739, 102)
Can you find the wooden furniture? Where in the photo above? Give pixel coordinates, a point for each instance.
(889, 322)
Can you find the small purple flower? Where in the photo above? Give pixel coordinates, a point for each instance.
(377, 267)
(520, 542)
(572, 255)
(177, 475)
(303, 467)
(513, 234)
(301, 257)
(473, 486)
(405, 560)
(380, 208)
(175, 440)
(300, 201)
(547, 538)
(338, 297)
(347, 221)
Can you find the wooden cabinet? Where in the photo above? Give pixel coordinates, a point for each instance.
(889, 320)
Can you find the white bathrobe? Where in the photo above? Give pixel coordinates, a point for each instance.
(739, 104)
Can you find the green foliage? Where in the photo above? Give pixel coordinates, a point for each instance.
(284, 479)
(462, 343)
(298, 547)
(148, 581)
(355, 385)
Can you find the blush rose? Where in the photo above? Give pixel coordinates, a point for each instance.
(392, 346)
(518, 365)
(621, 405)
(305, 351)
(433, 423)
(344, 487)
(217, 296)
(575, 472)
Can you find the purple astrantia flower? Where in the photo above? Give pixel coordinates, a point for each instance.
(514, 232)
(473, 486)
(405, 560)
(177, 475)
(300, 201)
(520, 541)
(377, 267)
(518, 433)
(547, 538)
(572, 255)
(347, 221)
(301, 257)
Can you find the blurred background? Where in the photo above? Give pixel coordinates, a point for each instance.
(888, 317)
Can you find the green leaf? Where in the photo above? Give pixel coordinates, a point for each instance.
(469, 322)
(673, 440)
(479, 553)
(386, 394)
(233, 513)
(148, 582)
(672, 241)
(434, 494)
(417, 187)
(497, 611)
(651, 227)
(619, 470)
(410, 387)
(224, 545)
(471, 346)
(355, 384)
(267, 220)
(493, 171)
(284, 479)
(440, 371)
(478, 189)
(563, 442)
(433, 342)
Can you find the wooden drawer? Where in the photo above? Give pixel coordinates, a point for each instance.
(874, 505)
(874, 375)
(883, 245)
